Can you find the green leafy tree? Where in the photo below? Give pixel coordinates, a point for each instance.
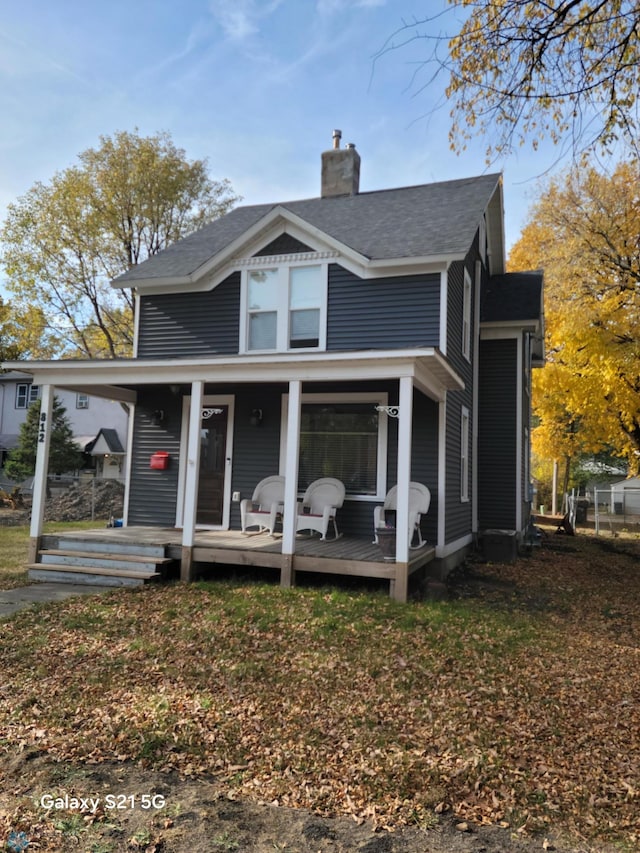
(64, 242)
(524, 71)
(64, 454)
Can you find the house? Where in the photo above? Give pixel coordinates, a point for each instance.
(99, 426)
(371, 335)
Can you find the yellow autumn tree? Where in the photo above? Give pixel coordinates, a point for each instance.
(585, 232)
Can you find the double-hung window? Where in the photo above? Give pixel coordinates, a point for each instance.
(26, 394)
(284, 308)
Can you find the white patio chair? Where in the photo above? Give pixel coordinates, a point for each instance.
(265, 506)
(419, 501)
(321, 501)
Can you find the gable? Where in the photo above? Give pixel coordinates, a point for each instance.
(285, 244)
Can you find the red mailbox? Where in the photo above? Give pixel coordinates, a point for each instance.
(159, 460)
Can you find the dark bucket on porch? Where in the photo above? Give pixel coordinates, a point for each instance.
(387, 542)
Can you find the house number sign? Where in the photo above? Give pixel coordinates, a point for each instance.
(42, 427)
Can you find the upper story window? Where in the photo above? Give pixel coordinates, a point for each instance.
(284, 308)
(26, 394)
(82, 401)
(466, 317)
(464, 454)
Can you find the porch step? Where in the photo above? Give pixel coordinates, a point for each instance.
(98, 562)
(52, 541)
(96, 559)
(89, 574)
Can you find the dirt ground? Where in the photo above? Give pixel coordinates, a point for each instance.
(128, 808)
(99, 499)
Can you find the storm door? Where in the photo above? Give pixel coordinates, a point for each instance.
(213, 465)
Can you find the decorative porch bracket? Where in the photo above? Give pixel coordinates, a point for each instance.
(390, 411)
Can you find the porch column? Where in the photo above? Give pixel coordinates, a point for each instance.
(42, 467)
(289, 523)
(405, 418)
(191, 481)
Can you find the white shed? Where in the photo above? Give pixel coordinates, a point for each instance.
(625, 497)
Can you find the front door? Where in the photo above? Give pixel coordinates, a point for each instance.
(213, 464)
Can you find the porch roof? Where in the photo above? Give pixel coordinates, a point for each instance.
(117, 379)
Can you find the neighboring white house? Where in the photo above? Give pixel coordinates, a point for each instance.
(99, 426)
(625, 497)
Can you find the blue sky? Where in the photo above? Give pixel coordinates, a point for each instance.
(255, 86)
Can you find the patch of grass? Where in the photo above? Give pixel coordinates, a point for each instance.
(225, 841)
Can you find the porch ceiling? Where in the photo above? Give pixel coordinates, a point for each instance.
(118, 379)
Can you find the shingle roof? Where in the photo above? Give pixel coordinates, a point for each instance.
(111, 439)
(409, 222)
(513, 296)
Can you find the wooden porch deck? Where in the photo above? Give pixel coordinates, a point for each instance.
(344, 556)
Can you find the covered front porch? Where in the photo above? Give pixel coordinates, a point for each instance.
(173, 402)
(348, 555)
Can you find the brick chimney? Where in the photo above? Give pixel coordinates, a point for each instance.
(340, 169)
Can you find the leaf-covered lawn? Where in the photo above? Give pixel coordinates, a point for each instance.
(520, 704)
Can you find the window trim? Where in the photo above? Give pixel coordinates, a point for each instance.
(283, 265)
(464, 454)
(82, 401)
(376, 399)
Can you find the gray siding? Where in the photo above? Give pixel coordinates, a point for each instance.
(175, 325)
(382, 313)
(373, 314)
(152, 498)
(458, 520)
(497, 461)
(459, 514)
(424, 460)
(256, 450)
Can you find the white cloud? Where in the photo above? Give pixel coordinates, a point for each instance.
(241, 19)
